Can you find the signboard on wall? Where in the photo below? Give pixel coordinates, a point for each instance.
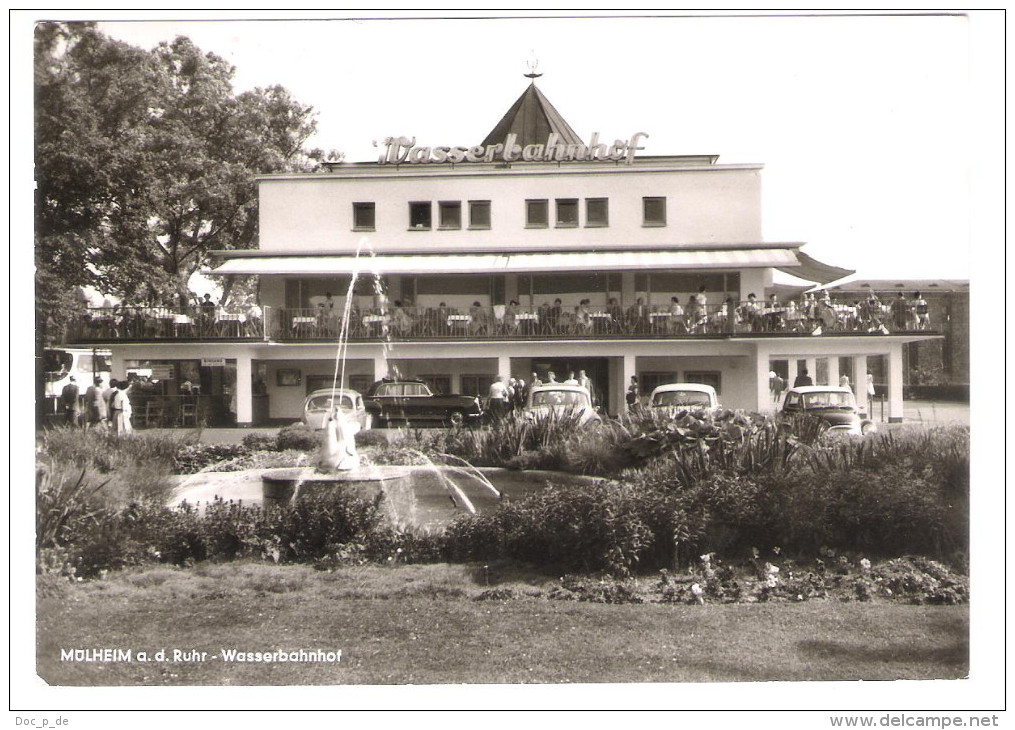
(162, 371)
(213, 362)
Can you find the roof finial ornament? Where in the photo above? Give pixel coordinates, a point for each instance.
(533, 65)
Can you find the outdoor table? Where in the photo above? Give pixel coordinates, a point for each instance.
(303, 326)
(181, 321)
(527, 322)
(601, 321)
(659, 320)
(230, 323)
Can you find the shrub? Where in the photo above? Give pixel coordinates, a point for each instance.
(260, 442)
(371, 438)
(599, 527)
(299, 436)
(192, 458)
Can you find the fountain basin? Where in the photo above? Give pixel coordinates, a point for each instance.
(279, 485)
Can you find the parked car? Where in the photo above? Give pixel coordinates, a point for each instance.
(834, 405)
(684, 395)
(561, 399)
(412, 402)
(319, 402)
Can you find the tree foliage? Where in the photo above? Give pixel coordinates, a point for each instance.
(145, 160)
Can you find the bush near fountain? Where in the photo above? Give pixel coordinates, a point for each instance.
(675, 493)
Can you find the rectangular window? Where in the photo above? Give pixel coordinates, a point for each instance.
(479, 214)
(597, 212)
(654, 211)
(713, 378)
(567, 212)
(363, 216)
(478, 385)
(649, 381)
(420, 216)
(439, 384)
(450, 214)
(537, 214)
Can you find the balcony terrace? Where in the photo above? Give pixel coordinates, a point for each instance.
(747, 319)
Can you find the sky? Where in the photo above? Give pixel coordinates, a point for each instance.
(863, 123)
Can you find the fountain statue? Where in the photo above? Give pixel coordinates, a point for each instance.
(338, 452)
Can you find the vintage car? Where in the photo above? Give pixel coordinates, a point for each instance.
(411, 402)
(684, 395)
(319, 402)
(835, 405)
(560, 399)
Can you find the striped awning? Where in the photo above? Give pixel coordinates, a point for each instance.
(518, 263)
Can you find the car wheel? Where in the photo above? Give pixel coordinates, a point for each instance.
(456, 418)
(868, 427)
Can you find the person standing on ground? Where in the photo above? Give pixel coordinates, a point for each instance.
(802, 379)
(498, 397)
(69, 399)
(843, 381)
(870, 394)
(633, 394)
(95, 405)
(121, 409)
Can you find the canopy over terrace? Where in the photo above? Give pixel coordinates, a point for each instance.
(782, 256)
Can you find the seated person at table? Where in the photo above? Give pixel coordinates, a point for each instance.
(511, 316)
(479, 322)
(582, 316)
(554, 317)
(636, 315)
(749, 312)
(401, 320)
(794, 317)
(773, 314)
(676, 322)
(616, 313)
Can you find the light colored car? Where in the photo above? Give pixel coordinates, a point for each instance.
(684, 395)
(319, 402)
(835, 405)
(561, 399)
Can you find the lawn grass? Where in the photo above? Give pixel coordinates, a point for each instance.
(424, 625)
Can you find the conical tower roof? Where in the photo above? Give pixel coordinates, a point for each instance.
(533, 118)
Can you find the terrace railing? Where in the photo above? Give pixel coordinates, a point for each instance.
(745, 319)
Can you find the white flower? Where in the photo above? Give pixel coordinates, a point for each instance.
(776, 549)
(697, 589)
(706, 558)
(755, 552)
(865, 565)
(771, 569)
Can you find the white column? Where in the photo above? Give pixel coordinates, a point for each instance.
(244, 390)
(628, 368)
(895, 383)
(752, 281)
(511, 288)
(761, 370)
(833, 369)
(504, 366)
(812, 369)
(791, 372)
(860, 382)
(380, 366)
(627, 293)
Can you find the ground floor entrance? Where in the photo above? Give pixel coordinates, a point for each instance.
(261, 383)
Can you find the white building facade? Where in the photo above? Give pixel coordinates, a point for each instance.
(451, 272)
